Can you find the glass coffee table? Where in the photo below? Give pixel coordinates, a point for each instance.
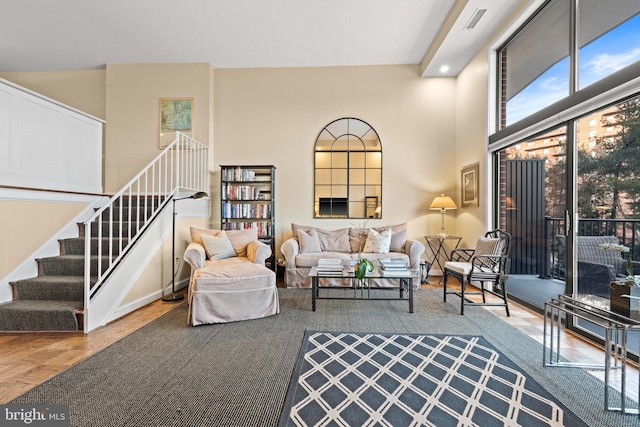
(362, 287)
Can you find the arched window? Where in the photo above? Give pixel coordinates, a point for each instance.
(348, 171)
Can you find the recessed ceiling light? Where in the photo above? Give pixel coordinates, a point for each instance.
(444, 68)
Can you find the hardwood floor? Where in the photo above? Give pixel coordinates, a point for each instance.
(28, 359)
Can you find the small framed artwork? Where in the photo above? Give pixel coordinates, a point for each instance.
(176, 115)
(470, 185)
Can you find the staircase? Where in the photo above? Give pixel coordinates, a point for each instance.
(72, 291)
(54, 300)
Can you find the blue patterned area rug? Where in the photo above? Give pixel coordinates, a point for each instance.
(359, 379)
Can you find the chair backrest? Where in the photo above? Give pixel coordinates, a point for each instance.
(504, 247)
(496, 243)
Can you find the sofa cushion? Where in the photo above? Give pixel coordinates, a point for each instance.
(217, 247)
(241, 238)
(196, 232)
(378, 242)
(214, 263)
(391, 255)
(309, 241)
(330, 240)
(398, 237)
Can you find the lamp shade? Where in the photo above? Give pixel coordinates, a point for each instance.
(443, 202)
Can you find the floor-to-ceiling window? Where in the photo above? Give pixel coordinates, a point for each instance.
(566, 142)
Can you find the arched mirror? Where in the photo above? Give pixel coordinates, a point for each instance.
(348, 171)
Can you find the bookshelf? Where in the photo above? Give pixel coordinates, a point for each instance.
(247, 201)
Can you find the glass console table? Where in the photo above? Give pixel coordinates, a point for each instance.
(597, 311)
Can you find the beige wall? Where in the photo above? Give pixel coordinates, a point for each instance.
(24, 228)
(471, 145)
(273, 116)
(83, 90)
(429, 128)
(132, 103)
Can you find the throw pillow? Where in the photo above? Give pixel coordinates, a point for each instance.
(309, 241)
(330, 240)
(378, 242)
(487, 246)
(197, 232)
(358, 237)
(334, 241)
(218, 247)
(398, 236)
(241, 238)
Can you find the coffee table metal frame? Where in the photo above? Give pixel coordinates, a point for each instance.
(363, 285)
(595, 310)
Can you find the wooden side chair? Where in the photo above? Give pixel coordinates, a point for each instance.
(488, 262)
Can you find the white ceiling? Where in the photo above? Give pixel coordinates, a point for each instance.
(45, 35)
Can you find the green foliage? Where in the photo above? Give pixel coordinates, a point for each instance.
(608, 174)
(364, 265)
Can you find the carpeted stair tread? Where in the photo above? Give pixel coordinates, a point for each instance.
(75, 246)
(65, 288)
(68, 265)
(53, 301)
(42, 315)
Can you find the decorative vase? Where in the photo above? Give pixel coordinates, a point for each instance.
(623, 304)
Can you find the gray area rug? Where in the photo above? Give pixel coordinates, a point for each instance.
(395, 380)
(237, 374)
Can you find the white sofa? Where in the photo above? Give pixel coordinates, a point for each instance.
(229, 281)
(302, 251)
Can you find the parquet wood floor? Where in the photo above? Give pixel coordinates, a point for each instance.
(28, 359)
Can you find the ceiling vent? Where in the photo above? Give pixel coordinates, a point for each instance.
(473, 21)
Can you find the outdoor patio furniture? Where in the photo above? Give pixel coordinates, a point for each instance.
(597, 268)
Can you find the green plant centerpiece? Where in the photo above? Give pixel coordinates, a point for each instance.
(363, 265)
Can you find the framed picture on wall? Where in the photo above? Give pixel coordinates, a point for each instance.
(470, 185)
(176, 115)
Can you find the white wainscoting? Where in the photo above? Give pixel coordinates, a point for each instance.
(47, 145)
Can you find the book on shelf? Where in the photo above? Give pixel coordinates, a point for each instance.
(246, 210)
(238, 174)
(264, 228)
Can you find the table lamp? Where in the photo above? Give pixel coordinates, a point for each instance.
(442, 203)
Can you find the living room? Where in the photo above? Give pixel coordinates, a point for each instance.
(430, 128)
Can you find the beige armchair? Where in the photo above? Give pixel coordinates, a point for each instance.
(229, 281)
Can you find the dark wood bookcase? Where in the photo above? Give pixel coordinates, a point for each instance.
(247, 201)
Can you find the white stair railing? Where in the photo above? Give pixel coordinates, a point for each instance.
(183, 165)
